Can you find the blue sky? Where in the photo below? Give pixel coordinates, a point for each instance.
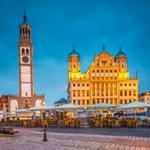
(87, 23)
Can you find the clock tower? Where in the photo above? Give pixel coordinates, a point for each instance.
(25, 47)
(26, 98)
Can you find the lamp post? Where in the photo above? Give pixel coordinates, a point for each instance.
(45, 135)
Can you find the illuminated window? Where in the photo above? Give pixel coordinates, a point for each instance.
(83, 93)
(74, 93)
(121, 93)
(87, 93)
(83, 102)
(125, 101)
(125, 93)
(93, 101)
(121, 101)
(78, 92)
(78, 102)
(88, 102)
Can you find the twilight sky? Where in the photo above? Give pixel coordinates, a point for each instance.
(59, 23)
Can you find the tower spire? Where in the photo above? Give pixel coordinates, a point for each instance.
(120, 48)
(73, 47)
(136, 74)
(24, 17)
(103, 47)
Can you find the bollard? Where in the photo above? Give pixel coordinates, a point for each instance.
(45, 135)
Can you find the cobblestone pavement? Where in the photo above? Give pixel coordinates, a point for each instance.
(31, 139)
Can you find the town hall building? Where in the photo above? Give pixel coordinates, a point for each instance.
(106, 80)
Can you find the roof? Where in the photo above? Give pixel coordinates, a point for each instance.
(74, 53)
(120, 54)
(145, 93)
(132, 105)
(25, 22)
(62, 101)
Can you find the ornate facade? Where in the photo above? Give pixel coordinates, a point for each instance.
(106, 80)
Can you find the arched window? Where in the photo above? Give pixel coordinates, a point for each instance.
(23, 51)
(25, 31)
(27, 51)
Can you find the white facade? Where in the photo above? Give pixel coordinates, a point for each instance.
(25, 72)
(13, 105)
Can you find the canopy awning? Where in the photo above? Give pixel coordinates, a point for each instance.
(133, 105)
(41, 108)
(102, 106)
(69, 107)
(23, 110)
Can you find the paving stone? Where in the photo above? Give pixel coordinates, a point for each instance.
(31, 139)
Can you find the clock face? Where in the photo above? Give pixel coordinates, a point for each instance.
(25, 59)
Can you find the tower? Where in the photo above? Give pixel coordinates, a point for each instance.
(74, 61)
(73, 64)
(26, 97)
(121, 60)
(25, 48)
